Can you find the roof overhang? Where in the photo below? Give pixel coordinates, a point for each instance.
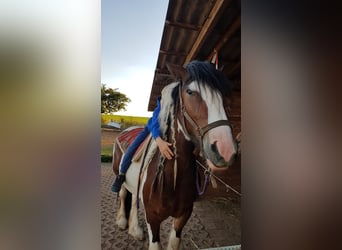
(196, 30)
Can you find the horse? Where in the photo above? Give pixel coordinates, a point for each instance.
(194, 119)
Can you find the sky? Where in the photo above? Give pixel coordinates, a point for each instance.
(131, 33)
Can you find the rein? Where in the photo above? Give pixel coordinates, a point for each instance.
(208, 173)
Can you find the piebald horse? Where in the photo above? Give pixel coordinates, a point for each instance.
(193, 119)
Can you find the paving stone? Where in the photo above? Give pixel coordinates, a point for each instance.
(213, 223)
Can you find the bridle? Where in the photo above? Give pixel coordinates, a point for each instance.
(201, 130)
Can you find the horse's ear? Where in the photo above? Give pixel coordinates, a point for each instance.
(177, 71)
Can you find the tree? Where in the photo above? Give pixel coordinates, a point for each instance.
(112, 100)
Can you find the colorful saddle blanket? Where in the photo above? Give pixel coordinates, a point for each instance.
(127, 137)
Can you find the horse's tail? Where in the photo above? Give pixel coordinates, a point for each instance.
(128, 204)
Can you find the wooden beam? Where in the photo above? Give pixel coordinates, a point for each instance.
(182, 25)
(163, 75)
(172, 53)
(230, 70)
(207, 27)
(230, 31)
(162, 71)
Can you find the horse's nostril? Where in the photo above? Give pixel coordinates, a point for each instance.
(235, 156)
(213, 147)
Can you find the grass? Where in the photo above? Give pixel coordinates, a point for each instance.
(125, 121)
(106, 153)
(106, 150)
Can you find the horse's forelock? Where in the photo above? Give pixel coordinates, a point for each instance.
(204, 73)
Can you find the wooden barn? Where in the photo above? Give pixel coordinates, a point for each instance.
(204, 30)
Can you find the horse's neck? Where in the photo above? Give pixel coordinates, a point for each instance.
(183, 162)
(171, 177)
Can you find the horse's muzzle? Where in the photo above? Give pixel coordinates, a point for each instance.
(212, 153)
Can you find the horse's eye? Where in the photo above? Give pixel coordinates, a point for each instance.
(189, 91)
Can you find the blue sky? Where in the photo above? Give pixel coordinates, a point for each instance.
(131, 32)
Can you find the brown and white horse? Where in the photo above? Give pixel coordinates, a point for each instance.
(193, 119)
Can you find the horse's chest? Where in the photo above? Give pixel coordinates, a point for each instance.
(162, 197)
(169, 202)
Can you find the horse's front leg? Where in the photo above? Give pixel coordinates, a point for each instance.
(133, 226)
(121, 220)
(153, 226)
(176, 231)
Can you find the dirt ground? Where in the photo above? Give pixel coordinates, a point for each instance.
(215, 221)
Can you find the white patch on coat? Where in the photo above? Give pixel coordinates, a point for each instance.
(134, 228)
(221, 135)
(132, 175)
(183, 131)
(174, 242)
(213, 99)
(121, 220)
(155, 245)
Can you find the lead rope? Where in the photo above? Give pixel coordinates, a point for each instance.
(217, 178)
(205, 184)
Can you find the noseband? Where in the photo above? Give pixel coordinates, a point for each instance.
(201, 131)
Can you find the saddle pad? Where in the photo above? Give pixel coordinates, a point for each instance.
(127, 137)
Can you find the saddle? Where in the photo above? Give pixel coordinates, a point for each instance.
(143, 154)
(127, 137)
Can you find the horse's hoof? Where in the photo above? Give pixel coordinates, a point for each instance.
(155, 246)
(137, 233)
(122, 223)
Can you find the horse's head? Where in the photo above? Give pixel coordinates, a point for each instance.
(202, 117)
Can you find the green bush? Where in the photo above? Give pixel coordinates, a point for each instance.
(106, 158)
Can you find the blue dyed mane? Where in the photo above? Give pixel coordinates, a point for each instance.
(205, 73)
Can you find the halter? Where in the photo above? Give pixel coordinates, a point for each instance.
(201, 131)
